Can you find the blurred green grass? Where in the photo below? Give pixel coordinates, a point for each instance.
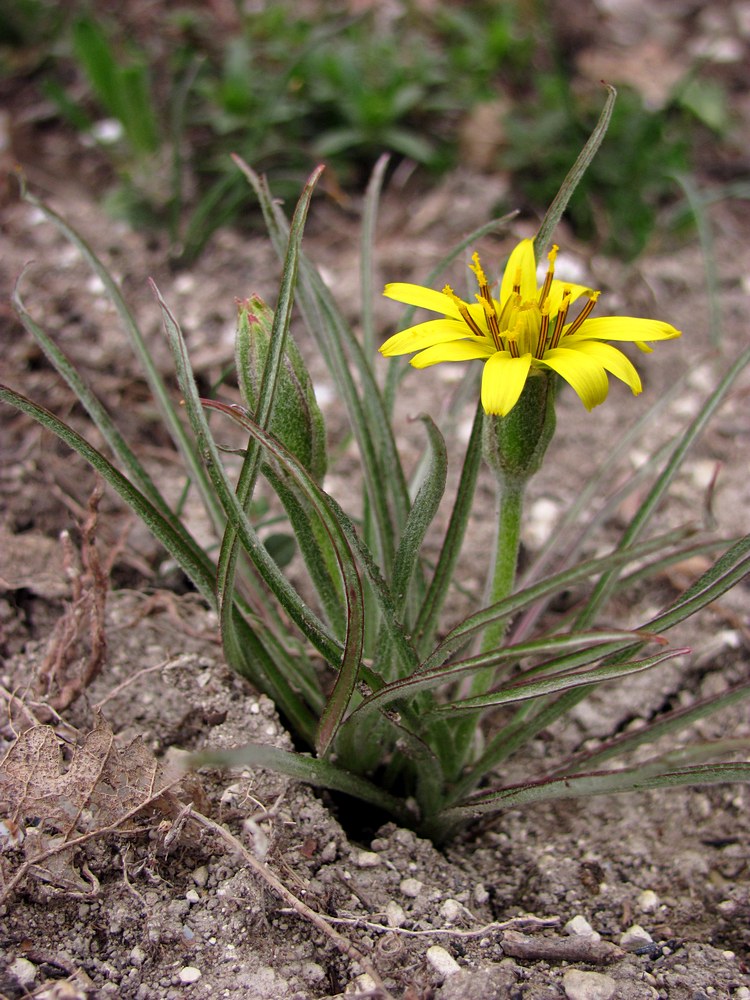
(168, 92)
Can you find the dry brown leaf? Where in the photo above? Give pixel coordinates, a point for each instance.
(55, 801)
(99, 785)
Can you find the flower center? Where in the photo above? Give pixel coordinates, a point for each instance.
(517, 326)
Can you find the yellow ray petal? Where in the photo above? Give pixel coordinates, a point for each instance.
(503, 380)
(586, 375)
(613, 360)
(416, 338)
(425, 298)
(521, 264)
(457, 350)
(624, 328)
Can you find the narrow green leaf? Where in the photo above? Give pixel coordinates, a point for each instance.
(250, 657)
(638, 524)
(597, 644)
(93, 407)
(318, 773)
(137, 109)
(315, 546)
(726, 572)
(94, 53)
(369, 219)
(473, 624)
(539, 687)
(229, 552)
(343, 689)
(429, 614)
(560, 202)
(424, 508)
(156, 383)
(314, 629)
(665, 725)
(601, 783)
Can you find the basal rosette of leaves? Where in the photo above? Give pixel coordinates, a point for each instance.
(409, 712)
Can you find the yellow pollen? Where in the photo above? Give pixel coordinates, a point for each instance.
(476, 267)
(447, 290)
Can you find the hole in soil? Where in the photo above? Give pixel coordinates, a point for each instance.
(360, 821)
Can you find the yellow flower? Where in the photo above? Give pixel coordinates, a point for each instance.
(524, 332)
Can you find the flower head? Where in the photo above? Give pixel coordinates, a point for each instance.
(524, 332)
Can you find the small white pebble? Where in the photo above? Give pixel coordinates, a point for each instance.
(411, 887)
(743, 993)
(394, 914)
(728, 954)
(24, 971)
(137, 957)
(648, 901)
(329, 852)
(189, 974)
(580, 927)
(588, 985)
(479, 894)
(442, 961)
(635, 937)
(313, 973)
(185, 285)
(451, 911)
(362, 984)
(192, 896)
(367, 859)
(200, 876)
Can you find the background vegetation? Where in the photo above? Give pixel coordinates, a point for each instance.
(167, 92)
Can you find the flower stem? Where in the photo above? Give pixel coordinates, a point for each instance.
(502, 575)
(500, 582)
(503, 578)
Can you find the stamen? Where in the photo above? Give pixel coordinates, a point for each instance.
(485, 299)
(464, 311)
(560, 319)
(541, 343)
(491, 316)
(584, 314)
(551, 257)
(511, 338)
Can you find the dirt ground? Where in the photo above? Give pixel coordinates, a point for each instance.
(247, 884)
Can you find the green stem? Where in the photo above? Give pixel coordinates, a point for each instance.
(500, 582)
(502, 575)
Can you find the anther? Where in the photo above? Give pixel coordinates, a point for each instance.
(551, 257)
(464, 312)
(541, 343)
(583, 315)
(560, 319)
